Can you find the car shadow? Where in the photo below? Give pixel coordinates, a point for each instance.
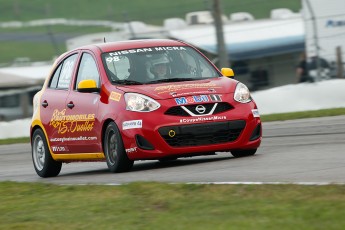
(147, 165)
(180, 162)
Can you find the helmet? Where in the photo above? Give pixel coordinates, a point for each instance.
(157, 60)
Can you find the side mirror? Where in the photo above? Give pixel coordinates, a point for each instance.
(228, 72)
(87, 86)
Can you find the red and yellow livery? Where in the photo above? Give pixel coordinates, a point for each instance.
(136, 100)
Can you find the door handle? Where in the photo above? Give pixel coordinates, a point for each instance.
(70, 105)
(44, 103)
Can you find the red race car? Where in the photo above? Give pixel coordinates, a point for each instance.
(137, 100)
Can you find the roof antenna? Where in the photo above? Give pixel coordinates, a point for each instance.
(104, 40)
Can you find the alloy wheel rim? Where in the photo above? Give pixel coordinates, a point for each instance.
(112, 148)
(39, 153)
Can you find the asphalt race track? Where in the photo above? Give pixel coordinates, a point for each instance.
(297, 151)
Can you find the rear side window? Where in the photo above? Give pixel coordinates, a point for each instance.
(63, 74)
(55, 78)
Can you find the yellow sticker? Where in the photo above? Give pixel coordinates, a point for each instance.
(115, 96)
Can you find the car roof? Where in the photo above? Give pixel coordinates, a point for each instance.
(132, 44)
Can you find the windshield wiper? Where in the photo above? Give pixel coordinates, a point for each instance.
(127, 82)
(172, 80)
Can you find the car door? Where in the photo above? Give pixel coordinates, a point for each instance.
(82, 109)
(53, 104)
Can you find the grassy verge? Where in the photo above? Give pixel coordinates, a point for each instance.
(154, 11)
(14, 140)
(42, 50)
(171, 206)
(264, 118)
(305, 114)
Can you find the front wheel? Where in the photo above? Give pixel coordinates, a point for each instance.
(243, 153)
(116, 157)
(44, 164)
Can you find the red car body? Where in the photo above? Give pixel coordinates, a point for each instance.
(86, 118)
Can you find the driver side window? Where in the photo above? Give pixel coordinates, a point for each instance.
(87, 70)
(118, 67)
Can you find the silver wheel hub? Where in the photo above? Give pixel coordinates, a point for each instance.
(112, 148)
(38, 153)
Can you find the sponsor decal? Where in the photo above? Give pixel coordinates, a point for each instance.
(71, 123)
(174, 94)
(115, 96)
(131, 150)
(134, 124)
(215, 97)
(335, 23)
(114, 55)
(175, 88)
(197, 99)
(255, 113)
(201, 119)
(80, 138)
(60, 149)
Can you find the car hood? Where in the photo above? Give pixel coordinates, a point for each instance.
(219, 85)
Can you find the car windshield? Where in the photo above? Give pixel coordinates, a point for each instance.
(153, 65)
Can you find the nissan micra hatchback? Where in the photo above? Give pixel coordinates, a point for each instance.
(137, 100)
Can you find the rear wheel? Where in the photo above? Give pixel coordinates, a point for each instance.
(116, 157)
(44, 164)
(243, 153)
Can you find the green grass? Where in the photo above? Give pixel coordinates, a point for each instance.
(36, 51)
(151, 12)
(305, 114)
(14, 140)
(171, 206)
(73, 30)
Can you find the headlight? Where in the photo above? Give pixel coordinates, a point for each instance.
(140, 103)
(242, 93)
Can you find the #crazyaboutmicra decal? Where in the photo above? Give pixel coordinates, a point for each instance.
(71, 123)
(202, 119)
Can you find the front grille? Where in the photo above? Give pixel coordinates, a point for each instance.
(178, 111)
(202, 134)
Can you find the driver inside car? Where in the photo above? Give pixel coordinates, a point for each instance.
(159, 67)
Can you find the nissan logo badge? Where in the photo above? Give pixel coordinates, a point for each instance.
(200, 109)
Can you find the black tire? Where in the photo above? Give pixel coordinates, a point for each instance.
(44, 164)
(116, 157)
(243, 153)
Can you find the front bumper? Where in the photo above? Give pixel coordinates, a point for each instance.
(167, 136)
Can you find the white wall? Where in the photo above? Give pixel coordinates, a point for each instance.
(330, 23)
